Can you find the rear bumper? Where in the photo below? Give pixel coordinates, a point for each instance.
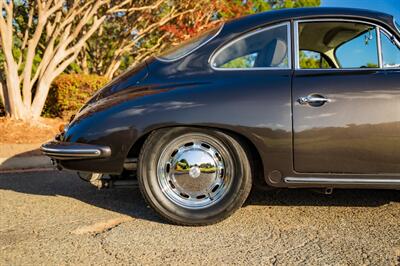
(74, 151)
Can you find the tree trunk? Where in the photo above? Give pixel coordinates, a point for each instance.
(1, 93)
(13, 102)
(40, 98)
(84, 64)
(112, 68)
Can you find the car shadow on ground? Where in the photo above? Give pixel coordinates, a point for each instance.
(130, 201)
(14, 156)
(317, 197)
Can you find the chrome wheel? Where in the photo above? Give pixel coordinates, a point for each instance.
(195, 171)
(194, 176)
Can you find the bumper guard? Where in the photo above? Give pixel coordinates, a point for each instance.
(74, 151)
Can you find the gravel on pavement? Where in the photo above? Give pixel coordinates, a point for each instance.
(54, 218)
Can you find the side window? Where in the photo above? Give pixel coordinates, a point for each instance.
(260, 49)
(344, 44)
(359, 52)
(311, 59)
(390, 52)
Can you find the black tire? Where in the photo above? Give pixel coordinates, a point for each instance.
(234, 195)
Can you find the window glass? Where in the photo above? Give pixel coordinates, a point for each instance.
(341, 44)
(390, 52)
(190, 45)
(360, 52)
(263, 48)
(397, 25)
(311, 59)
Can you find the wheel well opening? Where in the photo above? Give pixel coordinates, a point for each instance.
(255, 160)
(137, 146)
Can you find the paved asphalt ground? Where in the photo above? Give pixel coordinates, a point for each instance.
(54, 218)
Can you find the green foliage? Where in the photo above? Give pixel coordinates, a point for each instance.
(236, 8)
(301, 3)
(309, 59)
(69, 92)
(246, 61)
(261, 6)
(372, 65)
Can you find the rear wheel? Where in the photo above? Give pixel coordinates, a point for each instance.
(194, 176)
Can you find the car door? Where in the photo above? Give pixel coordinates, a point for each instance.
(345, 98)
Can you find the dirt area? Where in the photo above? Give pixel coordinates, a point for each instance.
(19, 132)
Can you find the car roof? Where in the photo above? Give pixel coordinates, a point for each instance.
(255, 20)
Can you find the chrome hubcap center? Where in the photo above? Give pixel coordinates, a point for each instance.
(194, 172)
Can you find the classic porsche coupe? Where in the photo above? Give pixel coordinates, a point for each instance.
(291, 98)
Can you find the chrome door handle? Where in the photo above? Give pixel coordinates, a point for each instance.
(313, 100)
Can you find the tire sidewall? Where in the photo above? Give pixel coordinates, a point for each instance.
(148, 180)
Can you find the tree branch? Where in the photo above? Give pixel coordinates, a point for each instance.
(134, 9)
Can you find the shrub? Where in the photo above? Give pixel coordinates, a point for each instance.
(69, 92)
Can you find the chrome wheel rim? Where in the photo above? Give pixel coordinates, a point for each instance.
(195, 171)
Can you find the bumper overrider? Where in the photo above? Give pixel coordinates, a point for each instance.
(59, 150)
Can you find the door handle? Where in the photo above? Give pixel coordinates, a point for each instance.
(314, 100)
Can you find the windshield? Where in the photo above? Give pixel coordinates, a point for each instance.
(189, 46)
(397, 25)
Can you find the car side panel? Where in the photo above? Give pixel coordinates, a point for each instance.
(255, 104)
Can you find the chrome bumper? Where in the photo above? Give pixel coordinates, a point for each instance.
(74, 151)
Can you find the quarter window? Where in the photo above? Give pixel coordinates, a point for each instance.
(341, 44)
(189, 46)
(390, 52)
(265, 48)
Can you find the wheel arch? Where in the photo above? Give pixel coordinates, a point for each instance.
(254, 154)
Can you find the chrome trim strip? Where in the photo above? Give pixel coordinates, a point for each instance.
(379, 43)
(71, 152)
(386, 34)
(250, 68)
(288, 28)
(191, 51)
(340, 69)
(390, 35)
(340, 181)
(296, 51)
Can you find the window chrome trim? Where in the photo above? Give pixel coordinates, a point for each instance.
(193, 50)
(378, 39)
(397, 26)
(296, 41)
(296, 52)
(391, 37)
(231, 42)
